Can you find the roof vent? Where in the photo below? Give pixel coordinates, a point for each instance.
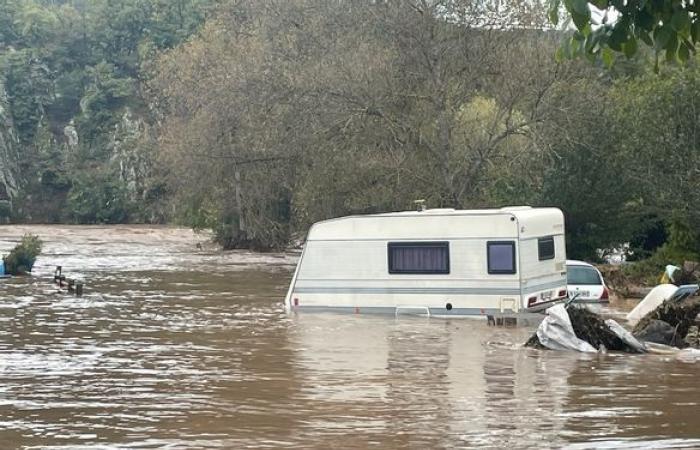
(420, 205)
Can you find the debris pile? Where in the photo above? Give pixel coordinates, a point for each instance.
(572, 327)
(670, 323)
(692, 339)
(592, 329)
(673, 321)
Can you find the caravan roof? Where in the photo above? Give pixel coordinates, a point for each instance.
(442, 223)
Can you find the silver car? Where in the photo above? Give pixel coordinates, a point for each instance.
(586, 282)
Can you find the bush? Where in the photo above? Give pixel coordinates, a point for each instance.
(21, 259)
(648, 271)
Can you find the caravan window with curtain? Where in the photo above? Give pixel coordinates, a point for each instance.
(419, 257)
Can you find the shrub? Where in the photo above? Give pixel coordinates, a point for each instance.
(21, 259)
(648, 271)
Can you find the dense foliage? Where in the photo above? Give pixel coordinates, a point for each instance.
(255, 119)
(72, 73)
(605, 26)
(22, 258)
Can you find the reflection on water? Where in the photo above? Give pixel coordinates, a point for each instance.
(179, 345)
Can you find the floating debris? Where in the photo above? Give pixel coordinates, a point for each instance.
(693, 337)
(672, 323)
(571, 327)
(669, 323)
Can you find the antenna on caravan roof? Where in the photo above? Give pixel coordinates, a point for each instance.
(420, 205)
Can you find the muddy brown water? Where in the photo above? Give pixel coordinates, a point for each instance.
(177, 345)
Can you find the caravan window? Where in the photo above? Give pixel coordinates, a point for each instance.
(501, 257)
(545, 247)
(419, 257)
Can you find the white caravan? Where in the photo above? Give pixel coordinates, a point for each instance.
(439, 262)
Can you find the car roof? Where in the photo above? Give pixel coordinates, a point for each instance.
(575, 262)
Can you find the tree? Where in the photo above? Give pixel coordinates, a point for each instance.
(282, 113)
(657, 130)
(666, 26)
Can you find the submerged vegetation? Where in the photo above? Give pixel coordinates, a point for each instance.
(22, 258)
(255, 119)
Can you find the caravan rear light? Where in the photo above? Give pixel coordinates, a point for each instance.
(531, 301)
(605, 295)
(562, 293)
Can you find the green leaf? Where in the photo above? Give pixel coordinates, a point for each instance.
(608, 57)
(581, 7)
(554, 11)
(644, 20)
(559, 55)
(683, 52)
(656, 62)
(591, 41)
(580, 20)
(646, 39)
(661, 36)
(630, 47)
(672, 44)
(695, 31)
(680, 21)
(618, 37)
(670, 56)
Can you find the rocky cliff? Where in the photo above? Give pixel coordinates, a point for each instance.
(9, 156)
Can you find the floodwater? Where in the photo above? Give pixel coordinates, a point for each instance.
(177, 345)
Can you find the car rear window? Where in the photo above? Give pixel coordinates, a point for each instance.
(582, 275)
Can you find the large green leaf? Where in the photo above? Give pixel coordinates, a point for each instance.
(630, 47)
(680, 21)
(607, 56)
(683, 52)
(580, 20)
(695, 30)
(662, 35)
(554, 11)
(618, 36)
(644, 36)
(644, 20)
(581, 7)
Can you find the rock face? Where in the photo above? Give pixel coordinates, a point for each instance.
(9, 146)
(71, 135)
(133, 166)
(55, 159)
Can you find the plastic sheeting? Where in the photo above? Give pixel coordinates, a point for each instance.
(555, 332)
(626, 336)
